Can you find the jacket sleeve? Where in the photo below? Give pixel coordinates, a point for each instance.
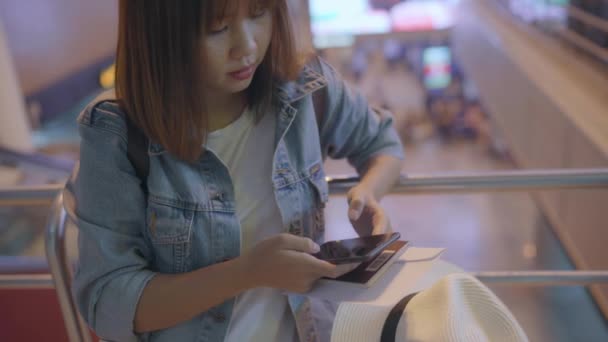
(104, 199)
(350, 128)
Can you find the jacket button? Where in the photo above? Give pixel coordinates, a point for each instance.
(219, 196)
(219, 317)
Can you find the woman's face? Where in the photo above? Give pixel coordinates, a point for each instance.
(234, 47)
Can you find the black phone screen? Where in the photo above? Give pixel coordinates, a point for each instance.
(355, 250)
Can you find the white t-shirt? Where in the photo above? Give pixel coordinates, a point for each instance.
(247, 150)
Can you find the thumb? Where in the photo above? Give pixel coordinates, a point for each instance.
(380, 222)
(296, 243)
(355, 208)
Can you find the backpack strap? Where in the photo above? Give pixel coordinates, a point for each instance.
(319, 96)
(319, 101)
(137, 152)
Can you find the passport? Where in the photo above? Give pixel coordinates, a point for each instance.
(370, 271)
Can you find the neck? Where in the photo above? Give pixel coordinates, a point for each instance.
(223, 109)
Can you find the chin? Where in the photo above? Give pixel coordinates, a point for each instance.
(238, 87)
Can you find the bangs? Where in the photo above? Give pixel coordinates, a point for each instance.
(219, 10)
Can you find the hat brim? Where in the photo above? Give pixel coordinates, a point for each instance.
(359, 322)
(456, 308)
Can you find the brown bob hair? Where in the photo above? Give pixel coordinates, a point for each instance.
(159, 79)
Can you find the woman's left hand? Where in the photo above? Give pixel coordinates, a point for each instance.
(365, 213)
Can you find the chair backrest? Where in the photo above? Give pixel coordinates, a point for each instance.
(61, 270)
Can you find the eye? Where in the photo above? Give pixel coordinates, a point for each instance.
(258, 11)
(218, 26)
(218, 30)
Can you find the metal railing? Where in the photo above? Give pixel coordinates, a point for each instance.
(29, 195)
(532, 13)
(487, 181)
(581, 41)
(410, 184)
(438, 183)
(546, 278)
(36, 159)
(26, 281)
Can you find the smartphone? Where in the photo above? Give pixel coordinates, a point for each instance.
(360, 249)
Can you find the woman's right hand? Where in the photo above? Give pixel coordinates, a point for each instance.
(285, 262)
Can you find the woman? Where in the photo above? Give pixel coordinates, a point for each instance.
(214, 244)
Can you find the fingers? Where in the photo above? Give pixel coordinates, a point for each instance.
(355, 207)
(317, 269)
(329, 270)
(375, 222)
(295, 243)
(311, 265)
(380, 221)
(323, 268)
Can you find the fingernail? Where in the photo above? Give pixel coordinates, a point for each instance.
(316, 248)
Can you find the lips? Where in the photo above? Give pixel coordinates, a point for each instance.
(243, 74)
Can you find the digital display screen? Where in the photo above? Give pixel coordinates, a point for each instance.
(336, 22)
(437, 66)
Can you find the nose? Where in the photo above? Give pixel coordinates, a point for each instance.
(243, 40)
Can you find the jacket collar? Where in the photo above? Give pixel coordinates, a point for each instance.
(307, 82)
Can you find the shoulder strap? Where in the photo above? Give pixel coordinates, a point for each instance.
(319, 100)
(319, 97)
(137, 152)
(137, 143)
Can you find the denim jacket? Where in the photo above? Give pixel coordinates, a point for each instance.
(187, 221)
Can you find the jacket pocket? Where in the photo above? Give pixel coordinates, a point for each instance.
(169, 228)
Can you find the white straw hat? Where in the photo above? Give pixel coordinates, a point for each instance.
(456, 308)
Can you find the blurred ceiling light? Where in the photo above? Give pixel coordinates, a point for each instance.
(529, 251)
(106, 77)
